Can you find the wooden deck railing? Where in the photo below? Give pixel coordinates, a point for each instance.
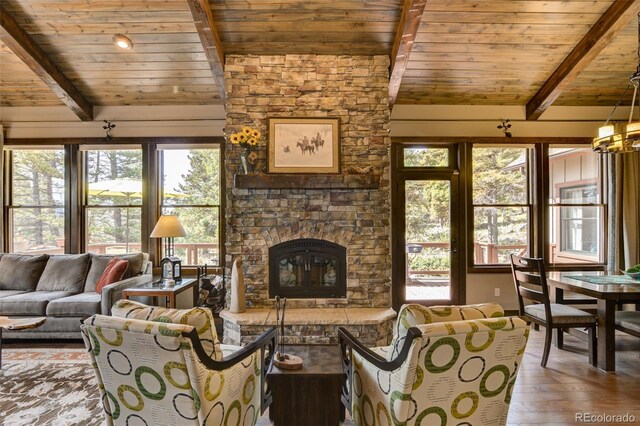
(191, 258)
(484, 254)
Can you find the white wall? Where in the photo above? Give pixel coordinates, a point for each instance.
(148, 121)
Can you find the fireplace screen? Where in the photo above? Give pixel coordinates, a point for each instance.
(307, 268)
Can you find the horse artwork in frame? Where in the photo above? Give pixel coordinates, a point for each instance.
(304, 145)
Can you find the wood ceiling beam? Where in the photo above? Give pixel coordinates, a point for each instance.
(21, 43)
(615, 19)
(403, 43)
(203, 19)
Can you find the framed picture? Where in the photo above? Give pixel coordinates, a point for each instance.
(304, 145)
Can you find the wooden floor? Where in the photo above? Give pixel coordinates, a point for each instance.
(570, 386)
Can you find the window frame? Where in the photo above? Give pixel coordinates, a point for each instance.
(528, 205)
(86, 207)
(9, 206)
(601, 204)
(218, 207)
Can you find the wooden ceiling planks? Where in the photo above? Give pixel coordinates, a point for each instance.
(20, 86)
(77, 35)
(37, 60)
(524, 41)
(610, 23)
(348, 27)
(497, 52)
(608, 75)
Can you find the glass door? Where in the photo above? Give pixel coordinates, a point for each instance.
(425, 230)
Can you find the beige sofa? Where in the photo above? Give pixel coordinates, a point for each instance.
(62, 288)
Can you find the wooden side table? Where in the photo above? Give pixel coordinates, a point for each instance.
(309, 396)
(156, 288)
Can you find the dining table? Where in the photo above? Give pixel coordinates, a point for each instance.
(609, 290)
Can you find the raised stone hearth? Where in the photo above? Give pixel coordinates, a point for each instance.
(372, 326)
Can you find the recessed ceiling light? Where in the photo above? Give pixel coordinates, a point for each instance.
(122, 41)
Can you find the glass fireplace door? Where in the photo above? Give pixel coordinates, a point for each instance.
(302, 269)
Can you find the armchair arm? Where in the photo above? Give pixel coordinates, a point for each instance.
(348, 344)
(266, 344)
(112, 292)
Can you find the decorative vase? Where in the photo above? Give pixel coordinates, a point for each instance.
(238, 301)
(248, 159)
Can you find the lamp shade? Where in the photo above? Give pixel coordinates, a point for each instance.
(168, 226)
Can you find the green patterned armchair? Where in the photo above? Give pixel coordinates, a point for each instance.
(160, 372)
(442, 373)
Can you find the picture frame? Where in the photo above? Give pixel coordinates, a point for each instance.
(304, 145)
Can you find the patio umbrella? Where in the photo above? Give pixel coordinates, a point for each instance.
(123, 188)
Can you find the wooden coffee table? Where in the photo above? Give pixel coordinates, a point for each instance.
(18, 323)
(309, 396)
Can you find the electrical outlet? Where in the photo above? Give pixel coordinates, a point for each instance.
(496, 291)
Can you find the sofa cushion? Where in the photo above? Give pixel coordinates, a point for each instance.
(200, 318)
(137, 261)
(33, 303)
(21, 272)
(112, 273)
(6, 293)
(66, 272)
(78, 305)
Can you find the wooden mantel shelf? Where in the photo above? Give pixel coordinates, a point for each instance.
(307, 181)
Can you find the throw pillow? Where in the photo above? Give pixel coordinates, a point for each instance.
(21, 272)
(112, 273)
(64, 272)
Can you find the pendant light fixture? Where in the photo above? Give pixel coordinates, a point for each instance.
(622, 137)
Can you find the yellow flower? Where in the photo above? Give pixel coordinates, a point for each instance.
(248, 137)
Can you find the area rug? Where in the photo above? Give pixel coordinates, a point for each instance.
(48, 392)
(47, 355)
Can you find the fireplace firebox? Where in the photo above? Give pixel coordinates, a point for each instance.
(307, 268)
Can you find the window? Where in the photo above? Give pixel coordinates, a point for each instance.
(426, 157)
(36, 201)
(576, 209)
(191, 190)
(113, 200)
(501, 203)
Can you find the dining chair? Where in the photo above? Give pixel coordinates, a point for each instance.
(530, 280)
(628, 322)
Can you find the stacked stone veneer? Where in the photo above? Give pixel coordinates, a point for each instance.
(354, 89)
(370, 335)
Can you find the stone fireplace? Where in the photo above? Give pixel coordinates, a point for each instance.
(350, 209)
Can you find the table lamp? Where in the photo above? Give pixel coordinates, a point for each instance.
(169, 227)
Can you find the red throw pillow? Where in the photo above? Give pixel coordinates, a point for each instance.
(113, 272)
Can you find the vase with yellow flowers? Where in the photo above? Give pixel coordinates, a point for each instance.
(248, 138)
